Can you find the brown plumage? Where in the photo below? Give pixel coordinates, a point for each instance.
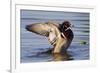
(60, 36)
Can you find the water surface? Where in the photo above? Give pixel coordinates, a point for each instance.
(32, 45)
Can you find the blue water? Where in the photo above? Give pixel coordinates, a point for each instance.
(32, 45)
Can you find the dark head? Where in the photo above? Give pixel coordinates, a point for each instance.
(65, 25)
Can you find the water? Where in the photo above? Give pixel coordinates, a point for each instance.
(32, 45)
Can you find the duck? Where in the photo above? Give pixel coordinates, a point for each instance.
(59, 35)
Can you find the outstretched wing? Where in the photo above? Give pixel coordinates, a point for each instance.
(43, 28)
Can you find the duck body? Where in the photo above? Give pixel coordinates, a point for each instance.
(59, 35)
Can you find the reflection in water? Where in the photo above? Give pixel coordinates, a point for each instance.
(49, 56)
(62, 57)
(58, 56)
